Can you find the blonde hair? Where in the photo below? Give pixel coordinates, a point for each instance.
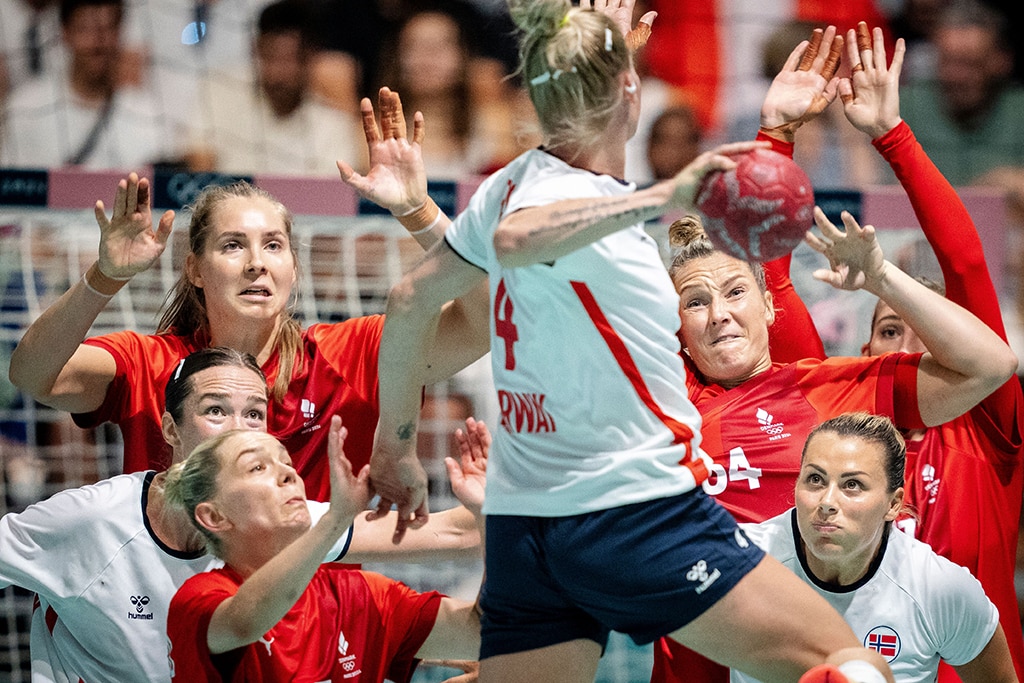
(689, 242)
(570, 60)
(194, 480)
(184, 309)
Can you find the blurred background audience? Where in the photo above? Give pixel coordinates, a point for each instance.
(84, 114)
(271, 121)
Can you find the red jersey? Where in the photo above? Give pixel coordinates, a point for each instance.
(964, 478)
(338, 377)
(755, 432)
(347, 626)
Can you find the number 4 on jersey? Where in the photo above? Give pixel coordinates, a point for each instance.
(503, 325)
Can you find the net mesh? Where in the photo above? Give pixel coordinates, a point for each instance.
(347, 265)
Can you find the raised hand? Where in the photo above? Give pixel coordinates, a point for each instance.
(871, 96)
(350, 493)
(128, 243)
(468, 474)
(621, 12)
(854, 256)
(805, 87)
(400, 480)
(396, 180)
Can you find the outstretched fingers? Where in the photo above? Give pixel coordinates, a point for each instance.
(392, 118)
(811, 53)
(419, 128)
(835, 52)
(369, 120)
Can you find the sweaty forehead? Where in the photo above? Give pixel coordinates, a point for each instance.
(713, 270)
(235, 213)
(242, 443)
(841, 453)
(228, 380)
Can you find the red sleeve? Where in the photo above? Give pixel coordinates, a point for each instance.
(951, 233)
(409, 619)
(886, 385)
(188, 622)
(792, 336)
(777, 145)
(352, 348)
(135, 397)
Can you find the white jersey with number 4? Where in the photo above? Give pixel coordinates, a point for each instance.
(912, 606)
(591, 389)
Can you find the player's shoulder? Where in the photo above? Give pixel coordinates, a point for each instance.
(154, 347)
(109, 507)
(775, 536)
(920, 571)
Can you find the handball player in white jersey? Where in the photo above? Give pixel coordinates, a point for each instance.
(596, 519)
(106, 559)
(902, 599)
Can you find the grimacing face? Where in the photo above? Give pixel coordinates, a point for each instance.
(725, 318)
(842, 504)
(258, 491)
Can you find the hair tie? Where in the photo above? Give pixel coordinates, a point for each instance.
(177, 373)
(564, 22)
(550, 76)
(607, 39)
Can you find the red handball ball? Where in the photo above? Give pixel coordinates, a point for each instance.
(760, 210)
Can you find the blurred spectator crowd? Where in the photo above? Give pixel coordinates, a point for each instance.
(243, 87)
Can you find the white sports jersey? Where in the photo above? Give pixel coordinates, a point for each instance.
(591, 387)
(104, 582)
(912, 607)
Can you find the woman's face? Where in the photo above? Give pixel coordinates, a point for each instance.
(725, 318)
(258, 490)
(431, 54)
(247, 270)
(842, 504)
(221, 398)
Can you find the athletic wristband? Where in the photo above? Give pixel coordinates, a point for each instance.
(783, 133)
(861, 671)
(415, 220)
(101, 284)
(433, 224)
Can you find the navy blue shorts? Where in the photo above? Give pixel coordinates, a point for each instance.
(645, 570)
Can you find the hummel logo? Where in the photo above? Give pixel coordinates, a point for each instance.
(699, 572)
(139, 602)
(308, 409)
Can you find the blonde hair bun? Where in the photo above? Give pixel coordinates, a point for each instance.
(686, 230)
